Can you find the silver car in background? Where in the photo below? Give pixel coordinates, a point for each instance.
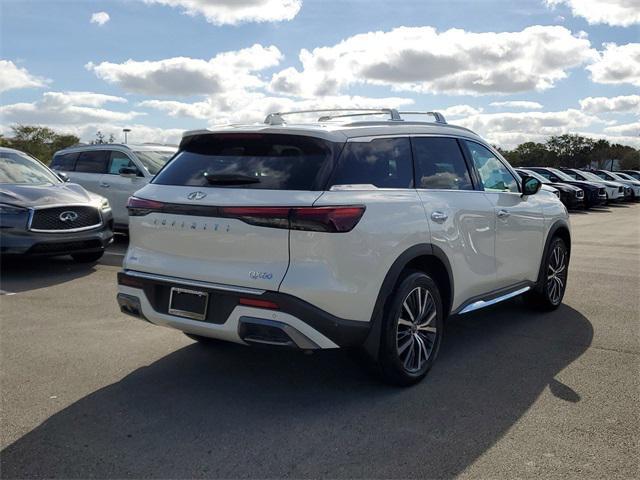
(114, 171)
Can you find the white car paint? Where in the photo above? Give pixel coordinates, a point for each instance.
(341, 273)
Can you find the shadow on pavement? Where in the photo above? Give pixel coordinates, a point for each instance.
(25, 274)
(233, 411)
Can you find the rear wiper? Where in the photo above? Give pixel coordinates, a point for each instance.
(230, 179)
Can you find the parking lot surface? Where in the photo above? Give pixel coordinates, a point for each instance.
(88, 392)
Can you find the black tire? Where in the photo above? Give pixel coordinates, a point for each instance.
(87, 257)
(394, 360)
(548, 294)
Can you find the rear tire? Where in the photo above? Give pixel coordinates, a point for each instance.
(412, 330)
(91, 257)
(549, 293)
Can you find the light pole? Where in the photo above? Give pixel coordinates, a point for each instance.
(126, 130)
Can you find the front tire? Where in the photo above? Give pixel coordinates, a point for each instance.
(549, 293)
(91, 257)
(411, 330)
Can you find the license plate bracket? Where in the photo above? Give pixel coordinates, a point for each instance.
(184, 302)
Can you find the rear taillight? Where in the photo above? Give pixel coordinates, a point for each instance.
(314, 219)
(138, 207)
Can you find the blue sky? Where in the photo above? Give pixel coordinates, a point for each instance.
(146, 64)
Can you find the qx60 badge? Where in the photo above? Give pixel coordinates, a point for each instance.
(68, 216)
(196, 195)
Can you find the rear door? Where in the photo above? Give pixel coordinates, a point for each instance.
(225, 208)
(519, 219)
(460, 217)
(90, 166)
(118, 188)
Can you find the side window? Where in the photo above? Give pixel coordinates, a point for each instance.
(383, 162)
(65, 162)
(94, 161)
(440, 164)
(494, 175)
(119, 160)
(544, 173)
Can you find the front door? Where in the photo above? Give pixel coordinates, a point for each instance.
(519, 219)
(118, 188)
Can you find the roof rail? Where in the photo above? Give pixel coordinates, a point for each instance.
(394, 115)
(437, 115)
(276, 118)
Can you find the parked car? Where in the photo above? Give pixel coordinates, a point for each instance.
(40, 214)
(635, 174)
(633, 185)
(113, 170)
(339, 233)
(615, 190)
(594, 193)
(572, 197)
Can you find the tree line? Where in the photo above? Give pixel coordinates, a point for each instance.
(43, 142)
(569, 150)
(574, 151)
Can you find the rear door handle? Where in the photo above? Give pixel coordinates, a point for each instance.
(105, 185)
(439, 217)
(503, 214)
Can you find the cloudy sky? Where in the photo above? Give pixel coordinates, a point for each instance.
(512, 70)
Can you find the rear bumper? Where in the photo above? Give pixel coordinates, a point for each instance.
(295, 323)
(23, 242)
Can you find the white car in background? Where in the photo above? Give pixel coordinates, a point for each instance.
(615, 190)
(112, 170)
(633, 185)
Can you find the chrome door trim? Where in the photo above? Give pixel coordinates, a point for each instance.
(485, 303)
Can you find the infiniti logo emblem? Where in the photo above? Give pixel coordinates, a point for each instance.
(196, 195)
(68, 216)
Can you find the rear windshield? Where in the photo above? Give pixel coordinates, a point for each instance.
(256, 161)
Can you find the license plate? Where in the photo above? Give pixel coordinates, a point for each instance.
(188, 303)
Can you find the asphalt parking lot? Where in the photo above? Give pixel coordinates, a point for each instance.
(88, 392)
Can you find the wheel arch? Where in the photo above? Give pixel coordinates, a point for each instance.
(560, 228)
(425, 257)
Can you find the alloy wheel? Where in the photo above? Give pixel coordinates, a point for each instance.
(557, 274)
(416, 329)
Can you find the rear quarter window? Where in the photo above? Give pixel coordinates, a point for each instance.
(383, 162)
(264, 161)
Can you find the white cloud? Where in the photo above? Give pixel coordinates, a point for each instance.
(621, 13)
(519, 104)
(183, 76)
(66, 108)
(617, 64)
(13, 77)
(233, 12)
(100, 18)
(627, 129)
(250, 107)
(423, 60)
(621, 104)
(510, 129)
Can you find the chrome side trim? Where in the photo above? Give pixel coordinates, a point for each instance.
(485, 303)
(195, 283)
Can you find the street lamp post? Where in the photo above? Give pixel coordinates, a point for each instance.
(126, 131)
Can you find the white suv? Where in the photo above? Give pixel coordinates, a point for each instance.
(333, 234)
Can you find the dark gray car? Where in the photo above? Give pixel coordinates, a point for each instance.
(41, 214)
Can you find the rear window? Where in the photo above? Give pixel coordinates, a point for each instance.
(65, 162)
(440, 164)
(383, 162)
(256, 161)
(93, 161)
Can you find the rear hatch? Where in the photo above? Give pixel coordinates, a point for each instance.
(220, 210)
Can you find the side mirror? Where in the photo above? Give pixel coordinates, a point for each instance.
(63, 176)
(128, 172)
(530, 186)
